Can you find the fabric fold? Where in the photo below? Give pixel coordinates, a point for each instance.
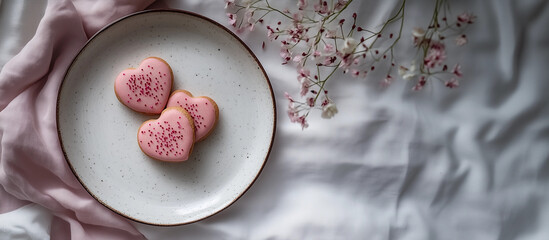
(32, 165)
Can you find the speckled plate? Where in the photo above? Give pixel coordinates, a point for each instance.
(99, 134)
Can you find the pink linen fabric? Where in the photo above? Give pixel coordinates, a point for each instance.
(32, 165)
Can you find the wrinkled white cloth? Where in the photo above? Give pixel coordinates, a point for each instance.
(466, 163)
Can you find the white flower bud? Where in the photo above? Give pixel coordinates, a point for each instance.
(329, 110)
(349, 45)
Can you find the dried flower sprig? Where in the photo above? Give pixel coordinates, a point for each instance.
(315, 38)
(431, 45)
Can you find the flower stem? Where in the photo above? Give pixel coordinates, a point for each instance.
(276, 10)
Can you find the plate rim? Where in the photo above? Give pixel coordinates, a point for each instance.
(191, 14)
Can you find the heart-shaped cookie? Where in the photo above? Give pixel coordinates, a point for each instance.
(203, 110)
(145, 89)
(169, 138)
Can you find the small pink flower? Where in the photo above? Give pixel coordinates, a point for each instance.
(387, 81)
(439, 46)
(457, 70)
(303, 77)
(325, 102)
(232, 19)
(248, 15)
(340, 4)
(436, 55)
(420, 84)
(452, 83)
(328, 48)
(331, 33)
(311, 102)
(322, 8)
(297, 58)
(304, 73)
(301, 120)
(270, 33)
(297, 17)
(329, 60)
(346, 60)
(285, 54)
(228, 2)
(292, 110)
(466, 18)
(287, 95)
(355, 73)
(296, 33)
(461, 40)
(302, 4)
(240, 30)
(305, 84)
(292, 113)
(316, 54)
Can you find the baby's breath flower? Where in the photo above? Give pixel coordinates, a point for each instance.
(387, 81)
(402, 70)
(311, 101)
(328, 49)
(466, 18)
(305, 85)
(355, 72)
(318, 41)
(302, 4)
(232, 19)
(418, 32)
(331, 33)
(322, 7)
(435, 55)
(329, 110)
(228, 3)
(461, 40)
(452, 83)
(457, 70)
(340, 4)
(301, 120)
(407, 73)
(349, 45)
(420, 84)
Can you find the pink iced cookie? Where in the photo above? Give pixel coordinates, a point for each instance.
(145, 89)
(169, 138)
(203, 110)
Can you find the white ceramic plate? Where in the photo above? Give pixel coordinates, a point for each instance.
(99, 134)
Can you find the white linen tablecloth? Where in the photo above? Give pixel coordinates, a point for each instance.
(467, 163)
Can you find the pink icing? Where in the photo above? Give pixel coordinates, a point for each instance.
(203, 110)
(145, 89)
(169, 138)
